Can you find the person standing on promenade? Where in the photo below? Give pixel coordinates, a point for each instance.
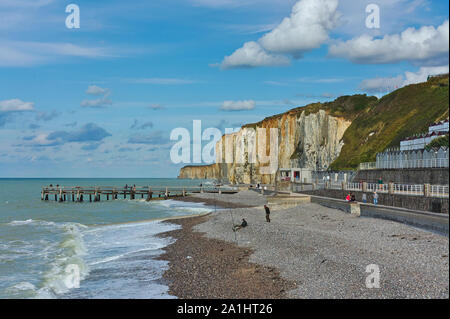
(364, 198)
(267, 213)
(375, 198)
(380, 183)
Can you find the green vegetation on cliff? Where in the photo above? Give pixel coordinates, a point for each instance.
(378, 124)
(402, 113)
(348, 107)
(438, 142)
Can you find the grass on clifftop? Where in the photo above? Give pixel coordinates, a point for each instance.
(348, 107)
(402, 113)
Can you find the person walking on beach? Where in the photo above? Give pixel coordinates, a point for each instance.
(242, 225)
(375, 198)
(267, 213)
(348, 197)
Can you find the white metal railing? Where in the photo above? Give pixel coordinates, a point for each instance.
(408, 189)
(439, 191)
(380, 188)
(414, 163)
(354, 186)
(403, 189)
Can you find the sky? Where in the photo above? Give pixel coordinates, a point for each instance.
(101, 99)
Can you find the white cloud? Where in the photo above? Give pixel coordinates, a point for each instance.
(16, 105)
(427, 45)
(253, 55)
(383, 85)
(238, 105)
(96, 90)
(307, 28)
(100, 102)
(20, 53)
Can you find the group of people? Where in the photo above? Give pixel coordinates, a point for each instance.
(245, 224)
(351, 198)
(133, 188)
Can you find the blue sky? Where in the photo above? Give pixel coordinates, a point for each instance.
(101, 100)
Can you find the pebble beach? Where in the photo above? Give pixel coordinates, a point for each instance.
(307, 251)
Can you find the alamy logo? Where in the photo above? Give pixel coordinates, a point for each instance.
(260, 145)
(73, 276)
(373, 279)
(73, 19)
(373, 19)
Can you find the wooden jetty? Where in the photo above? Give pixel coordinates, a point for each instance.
(95, 193)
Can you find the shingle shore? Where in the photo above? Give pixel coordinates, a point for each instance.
(321, 252)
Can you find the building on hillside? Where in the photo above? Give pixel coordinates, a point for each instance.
(419, 142)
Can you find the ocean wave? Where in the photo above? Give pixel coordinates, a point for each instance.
(68, 267)
(195, 208)
(155, 246)
(30, 222)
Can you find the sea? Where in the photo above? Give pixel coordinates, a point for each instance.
(105, 249)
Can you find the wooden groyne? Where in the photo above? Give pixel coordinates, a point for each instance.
(97, 193)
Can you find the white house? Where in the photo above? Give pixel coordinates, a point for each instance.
(419, 142)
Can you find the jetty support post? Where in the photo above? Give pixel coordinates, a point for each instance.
(184, 192)
(60, 195)
(220, 190)
(166, 194)
(42, 194)
(78, 195)
(149, 194)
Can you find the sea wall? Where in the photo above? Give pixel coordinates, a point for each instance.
(304, 140)
(420, 203)
(425, 220)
